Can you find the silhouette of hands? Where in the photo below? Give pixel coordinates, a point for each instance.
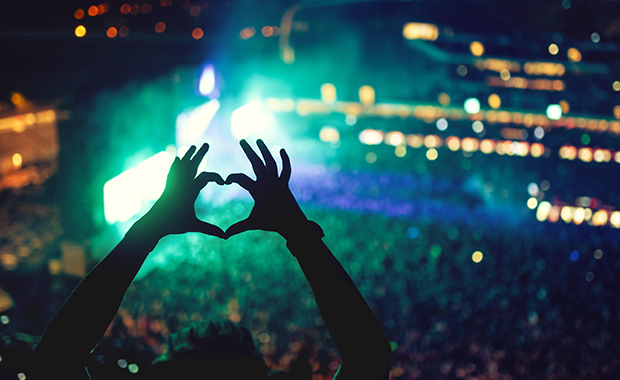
(174, 212)
(275, 208)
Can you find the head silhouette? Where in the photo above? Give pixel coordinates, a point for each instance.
(210, 350)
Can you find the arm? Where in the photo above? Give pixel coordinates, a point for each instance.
(358, 336)
(84, 317)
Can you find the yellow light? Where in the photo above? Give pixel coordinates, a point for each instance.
(197, 33)
(431, 154)
(587, 214)
(504, 74)
(80, 31)
(79, 14)
(112, 32)
(401, 151)
(585, 154)
(367, 95)
(554, 49)
(567, 214)
(477, 257)
(444, 99)
(494, 100)
(420, 31)
(160, 27)
(600, 218)
(614, 220)
(487, 146)
(537, 150)
(532, 203)
(328, 93)
(395, 138)
(469, 144)
(544, 208)
(579, 215)
(476, 48)
(617, 112)
(93, 10)
(329, 134)
(616, 86)
(371, 157)
(17, 99)
(574, 55)
(454, 143)
(17, 161)
(432, 141)
(565, 106)
(415, 141)
(599, 155)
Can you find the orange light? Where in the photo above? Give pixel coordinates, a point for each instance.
(247, 32)
(476, 48)
(146, 9)
(160, 27)
(197, 33)
(267, 31)
(276, 31)
(194, 10)
(93, 10)
(112, 32)
(101, 9)
(135, 9)
(80, 31)
(125, 9)
(79, 14)
(123, 32)
(165, 3)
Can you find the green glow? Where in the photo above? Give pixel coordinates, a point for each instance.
(585, 139)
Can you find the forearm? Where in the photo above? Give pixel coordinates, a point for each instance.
(85, 316)
(352, 325)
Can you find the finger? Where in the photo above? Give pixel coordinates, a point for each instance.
(269, 161)
(239, 227)
(207, 228)
(206, 177)
(240, 179)
(189, 153)
(286, 166)
(257, 163)
(197, 159)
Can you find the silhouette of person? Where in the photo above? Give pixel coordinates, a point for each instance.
(216, 350)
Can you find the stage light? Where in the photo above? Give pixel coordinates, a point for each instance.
(151, 175)
(207, 80)
(579, 215)
(566, 214)
(554, 111)
(600, 218)
(250, 118)
(121, 197)
(454, 143)
(472, 105)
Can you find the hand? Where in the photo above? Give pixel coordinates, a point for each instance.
(275, 208)
(174, 212)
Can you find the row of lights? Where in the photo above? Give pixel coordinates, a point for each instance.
(585, 154)
(98, 10)
(112, 32)
(19, 123)
(92, 11)
(267, 31)
(467, 144)
(545, 211)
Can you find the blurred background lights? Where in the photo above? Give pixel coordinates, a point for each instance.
(532, 189)
(329, 134)
(616, 85)
(367, 95)
(328, 93)
(431, 154)
(17, 160)
(574, 55)
(371, 137)
(471, 105)
(504, 74)
(554, 111)
(477, 126)
(598, 254)
(93, 10)
(461, 70)
(395, 138)
(21, 376)
(574, 256)
(122, 363)
(400, 151)
(197, 33)
(442, 124)
(494, 101)
(476, 48)
(160, 27)
(79, 14)
(477, 257)
(80, 31)
(532, 203)
(371, 157)
(4, 320)
(111, 32)
(250, 118)
(420, 31)
(589, 276)
(350, 119)
(133, 368)
(539, 133)
(207, 80)
(595, 37)
(553, 49)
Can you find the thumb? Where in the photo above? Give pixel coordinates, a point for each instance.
(239, 227)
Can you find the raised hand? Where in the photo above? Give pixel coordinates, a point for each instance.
(275, 208)
(174, 212)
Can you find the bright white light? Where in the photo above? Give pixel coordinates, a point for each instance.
(371, 137)
(192, 125)
(554, 111)
(152, 174)
(250, 118)
(477, 126)
(442, 124)
(532, 189)
(472, 105)
(329, 134)
(121, 197)
(207, 80)
(539, 133)
(4, 320)
(350, 119)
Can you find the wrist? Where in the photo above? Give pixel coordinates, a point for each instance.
(303, 234)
